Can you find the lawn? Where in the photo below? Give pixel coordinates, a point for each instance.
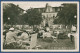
(64, 44)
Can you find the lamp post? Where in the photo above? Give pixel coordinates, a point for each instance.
(75, 16)
(9, 19)
(75, 37)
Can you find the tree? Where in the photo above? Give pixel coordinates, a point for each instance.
(12, 12)
(33, 17)
(66, 15)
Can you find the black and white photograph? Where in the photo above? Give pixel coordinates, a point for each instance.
(40, 26)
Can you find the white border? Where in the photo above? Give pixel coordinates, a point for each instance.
(21, 50)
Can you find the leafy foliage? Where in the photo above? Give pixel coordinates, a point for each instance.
(66, 15)
(33, 17)
(12, 11)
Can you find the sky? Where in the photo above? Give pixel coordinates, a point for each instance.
(37, 4)
(28, 5)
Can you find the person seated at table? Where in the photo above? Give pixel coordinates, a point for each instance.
(10, 38)
(23, 39)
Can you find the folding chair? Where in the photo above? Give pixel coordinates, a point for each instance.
(33, 41)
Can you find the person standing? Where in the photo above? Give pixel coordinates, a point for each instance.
(73, 33)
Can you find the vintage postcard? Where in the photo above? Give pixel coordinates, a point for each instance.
(40, 26)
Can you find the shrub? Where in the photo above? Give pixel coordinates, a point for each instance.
(62, 36)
